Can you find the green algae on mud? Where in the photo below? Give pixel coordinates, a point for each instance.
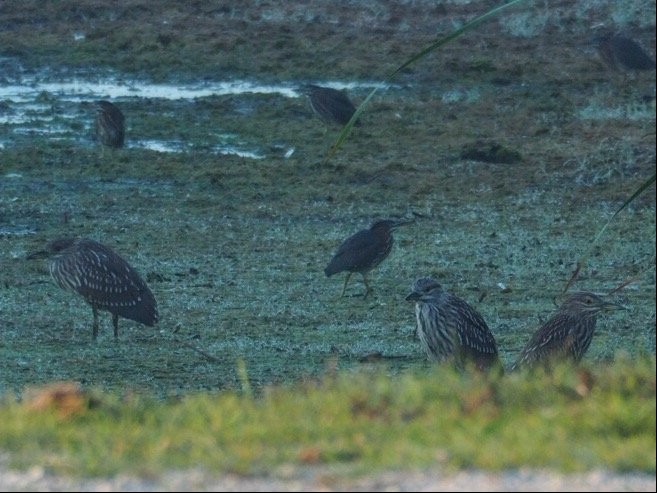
(234, 248)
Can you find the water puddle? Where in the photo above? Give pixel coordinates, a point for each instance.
(79, 90)
(55, 107)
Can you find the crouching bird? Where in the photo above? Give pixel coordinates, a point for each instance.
(567, 334)
(331, 105)
(623, 53)
(449, 329)
(110, 124)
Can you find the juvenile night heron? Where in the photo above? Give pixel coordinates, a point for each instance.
(567, 335)
(363, 251)
(104, 279)
(620, 52)
(329, 104)
(449, 329)
(110, 124)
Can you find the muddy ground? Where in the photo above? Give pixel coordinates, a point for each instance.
(234, 248)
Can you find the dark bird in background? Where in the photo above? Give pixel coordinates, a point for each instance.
(331, 105)
(567, 335)
(110, 124)
(620, 52)
(363, 251)
(449, 329)
(102, 278)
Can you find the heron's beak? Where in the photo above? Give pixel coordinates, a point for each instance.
(402, 222)
(611, 307)
(38, 255)
(414, 296)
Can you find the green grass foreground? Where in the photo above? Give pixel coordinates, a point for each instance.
(570, 420)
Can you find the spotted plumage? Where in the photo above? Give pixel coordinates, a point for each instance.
(567, 334)
(103, 278)
(110, 124)
(331, 105)
(449, 329)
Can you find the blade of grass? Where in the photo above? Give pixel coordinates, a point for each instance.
(433, 46)
(243, 376)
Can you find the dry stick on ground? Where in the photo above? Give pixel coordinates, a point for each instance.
(205, 354)
(631, 280)
(582, 262)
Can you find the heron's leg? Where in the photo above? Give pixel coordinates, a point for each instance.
(344, 288)
(367, 285)
(95, 327)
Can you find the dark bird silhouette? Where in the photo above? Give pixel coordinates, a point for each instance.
(449, 329)
(331, 105)
(620, 52)
(104, 279)
(110, 125)
(363, 251)
(568, 333)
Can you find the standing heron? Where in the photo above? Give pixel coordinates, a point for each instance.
(110, 124)
(449, 329)
(331, 105)
(104, 279)
(567, 334)
(620, 52)
(363, 251)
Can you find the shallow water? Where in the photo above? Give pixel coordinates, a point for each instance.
(40, 105)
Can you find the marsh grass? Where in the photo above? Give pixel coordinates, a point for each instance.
(234, 248)
(437, 43)
(573, 419)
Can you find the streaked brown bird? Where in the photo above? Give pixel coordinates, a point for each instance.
(110, 124)
(363, 251)
(568, 333)
(331, 105)
(620, 52)
(104, 279)
(449, 329)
